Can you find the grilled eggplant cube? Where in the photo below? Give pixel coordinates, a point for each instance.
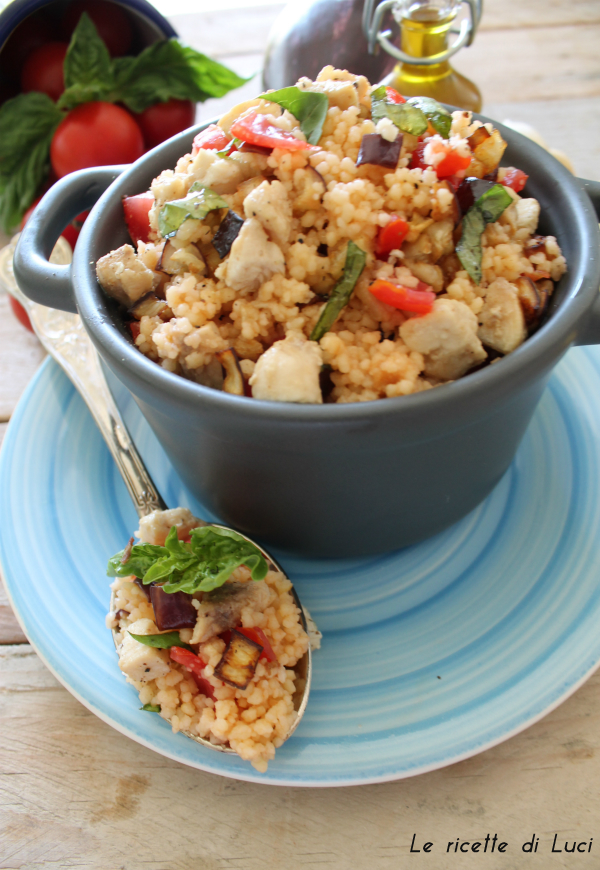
(238, 664)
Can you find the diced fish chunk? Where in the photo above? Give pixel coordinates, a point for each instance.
(253, 258)
(270, 204)
(289, 372)
(140, 662)
(123, 275)
(501, 318)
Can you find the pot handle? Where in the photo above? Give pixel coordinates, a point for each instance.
(590, 329)
(39, 279)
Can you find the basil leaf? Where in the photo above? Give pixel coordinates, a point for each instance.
(197, 204)
(307, 107)
(161, 641)
(87, 68)
(341, 293)
(168, 70)
(141, 559)
(485, 210)
(407, 118)
(27, 124)
(439, 117)
(151, 708)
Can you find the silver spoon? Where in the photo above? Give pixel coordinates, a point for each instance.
(62, 334)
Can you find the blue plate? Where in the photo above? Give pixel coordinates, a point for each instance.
(430, 654)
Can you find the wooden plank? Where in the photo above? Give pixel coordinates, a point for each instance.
(75, 793)
(505, 14)
(21, 356)
(10, 630)
(220, 33)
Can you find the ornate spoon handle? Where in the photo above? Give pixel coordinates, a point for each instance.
(64, 337)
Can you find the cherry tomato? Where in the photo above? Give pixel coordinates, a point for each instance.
(111, 23)
(34, 31)
(452, 164)
(163, 120)
(20, 313)
(213, 138)
(136, 209)
(95, 134)
(43, 70)
(391, 236)
(258, 130)
(392, 96)
(419, 300)
(516, 179)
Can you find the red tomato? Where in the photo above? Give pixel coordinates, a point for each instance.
(417, 161)
(392, 96)
(70, 232)
(29, 212)
(259, 637)
(420, 301)
(43, 70)
(20, 313)
(195, 666)
(391, 236)
(516, 179)
(163, 120)
(257, 130)
(111, 23)
(136, 209)
(213, 137)
(34, 31)
(95, 134)
(452, 164)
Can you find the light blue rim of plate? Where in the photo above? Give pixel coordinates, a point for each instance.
(430, 654)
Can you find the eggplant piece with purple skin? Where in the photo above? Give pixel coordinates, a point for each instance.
(376, 150)
(470, 189)
(239, 661)
(172, 610)
(227, 233)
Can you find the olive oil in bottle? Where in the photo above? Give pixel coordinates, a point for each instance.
(424, 31)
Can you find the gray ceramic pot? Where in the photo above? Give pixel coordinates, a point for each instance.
(328, 480)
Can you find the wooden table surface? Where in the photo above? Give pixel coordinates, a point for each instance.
(75, 793)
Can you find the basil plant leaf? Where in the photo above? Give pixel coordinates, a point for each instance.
(140, 560)
(197, 204)
(439, 117)
(27, 124)
(341, 293)
(151, 708)
(309, 108)
(407, 118)
(168, 70)
(87, 68)
(485, 210)
(161, 641)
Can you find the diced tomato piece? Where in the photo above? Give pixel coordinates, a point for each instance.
(134, 329)
(391, 236)
(452, 164)
(136, 209)
(226, 635)
(516, 179)
(393, 96)
(419, 301)
(20, 313)
(259, 637)
(257, 130)
(188, 659)
(213, 138)
(417, 161)
(204, 686)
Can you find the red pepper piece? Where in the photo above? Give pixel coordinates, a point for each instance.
(452, 164)
(257, 130)
(195, 665)
(516, 179)
(417, 161)
(391, 236)
(392, 96)
(419, 301)
(136, 210)
(259, 637)
(213, 138)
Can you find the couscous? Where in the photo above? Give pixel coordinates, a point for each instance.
(333, 242)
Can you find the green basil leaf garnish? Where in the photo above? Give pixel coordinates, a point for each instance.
(309, 108)
(88, 68)
(341, 293)
(407, 118)
(197, 204)
(439, 117)
(199, 566)
(151, 708)
(161, 641)
(486, 210)
(27, 124)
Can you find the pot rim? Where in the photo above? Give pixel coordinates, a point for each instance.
(536, 354)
